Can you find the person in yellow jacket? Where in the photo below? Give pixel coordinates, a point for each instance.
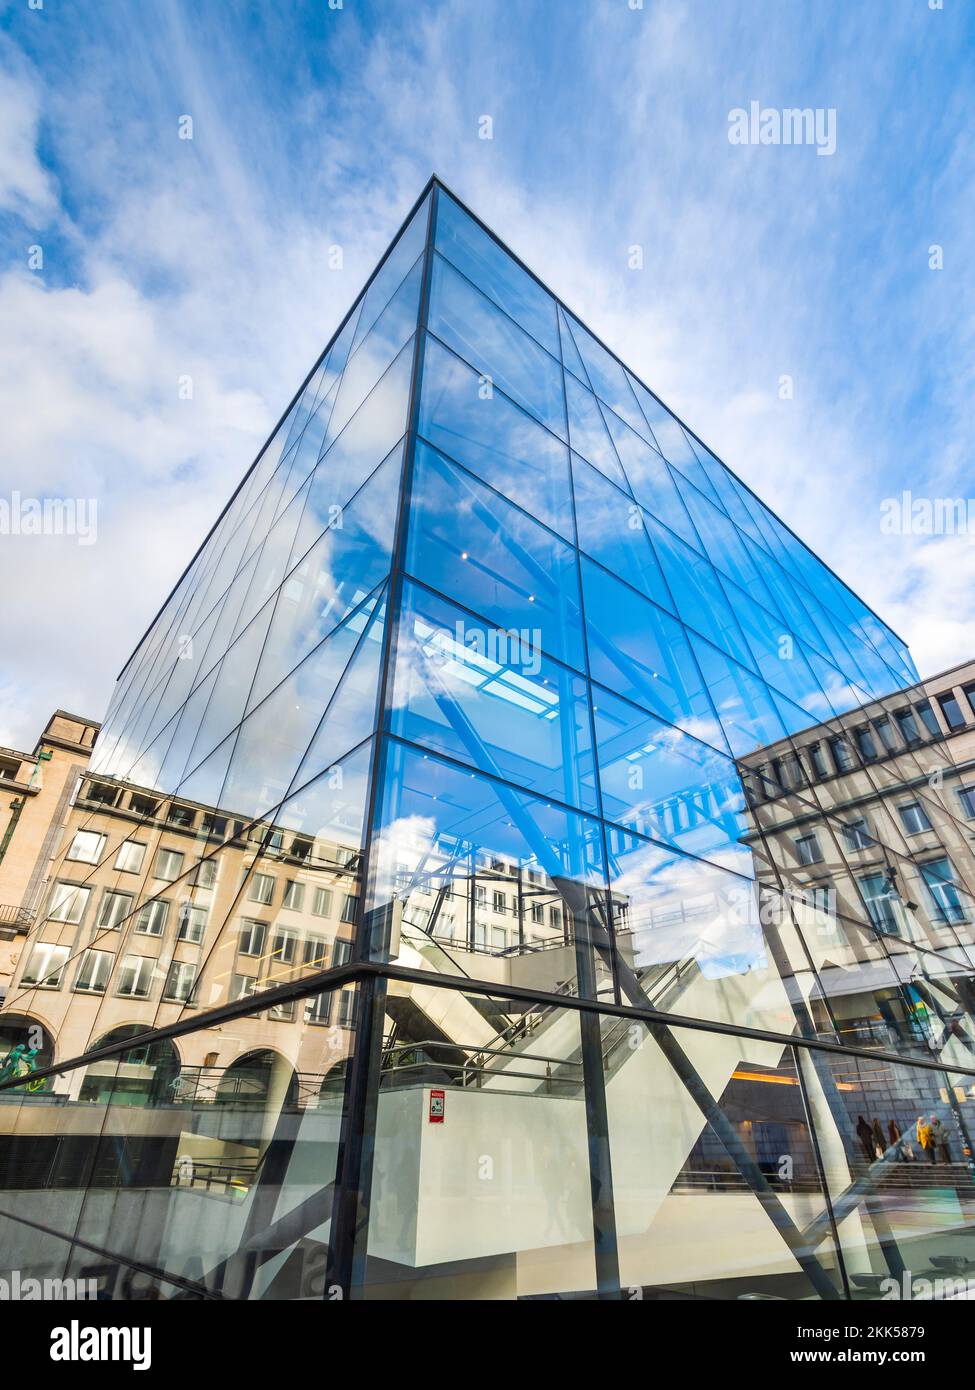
(925, 1138)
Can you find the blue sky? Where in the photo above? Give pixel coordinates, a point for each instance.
(165, 258)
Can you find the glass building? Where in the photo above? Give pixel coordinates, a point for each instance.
(467, 893)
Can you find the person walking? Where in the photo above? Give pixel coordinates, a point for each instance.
(926, 1139)
(939, 1141)
(865, 1135)
(879, 1143)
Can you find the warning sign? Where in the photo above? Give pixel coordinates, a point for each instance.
(437, 1106)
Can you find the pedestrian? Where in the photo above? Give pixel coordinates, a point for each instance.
(865, 1134)
(879, 1143)
(925, 1138)
(939, 1141)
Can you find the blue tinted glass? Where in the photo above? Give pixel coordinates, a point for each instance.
(391, 274)
(659, 781)
(671, 440)
(650, 479)
(492, 343)
(588, 433)
(744, 704)
(570, 353)
(642, 653)
(612, 531)
(490, 698)
(697, 592)
(469, 543)
(606, 376)
(450, 839)
(394, 327)
(494, 271)
(344, 566)
(494, 438)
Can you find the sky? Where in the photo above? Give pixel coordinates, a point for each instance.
(162, 298)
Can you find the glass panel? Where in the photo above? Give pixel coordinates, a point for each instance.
(493, 1201)
(588, 433)
(401, 256)
(495, 272)
(715, 1177)
(606, 377)
(482, 429)
(897, 1152)
(662, 783)
(641, 652)
(489, 555)
(461, 859)
(490, 698)
(204, 1164)
(495, 346)
(612, 531)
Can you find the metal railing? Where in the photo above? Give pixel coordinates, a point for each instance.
(416, 1064)
(20, 917)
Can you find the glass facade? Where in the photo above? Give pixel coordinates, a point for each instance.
(471, 894)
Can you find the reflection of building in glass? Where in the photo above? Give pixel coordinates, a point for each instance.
(453, 715)
(864, 823)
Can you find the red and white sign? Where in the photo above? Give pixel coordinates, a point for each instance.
(438, 1102)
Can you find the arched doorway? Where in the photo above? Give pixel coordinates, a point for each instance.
(259, 1079)
(142, 1074)
(25, 1045)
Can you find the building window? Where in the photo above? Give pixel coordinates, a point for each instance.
(100, 792)
(882, 906)
(865, 744)
(114, 908)
(350, 907)
(555, 918)
(914, 818)
(143, 806)
(86, 847)
(928, 718)
(885, 732)
(314, 952)
(857, 834)
(321, 903)
(807, 850)
(952, 711)
(205, 873)
(130, 856)
(842, 757)
(341, 953)
(46, 966)
(317, 1008)
(181, 816)
(192, 923)
(538, 914)
(282, 1013)
(908, 726)
(68, 902)
(284, 946)
(499, 902)
(135, 976)
(214, 826)
(151, 917)
(346, 1014)
(169, 865)
(261, 889)
(939, 878)
(294, 895)
(93, 973)
(242, 986)
(817, 760)
(180, 980)
(251, 936)
(966, 795)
